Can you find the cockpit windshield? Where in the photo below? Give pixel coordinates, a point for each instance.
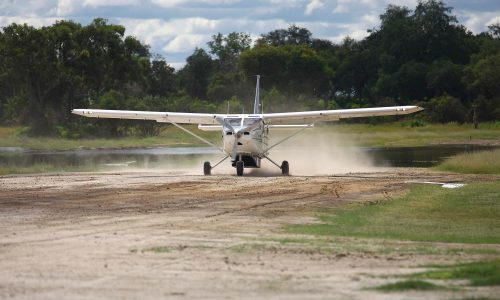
(250, 121)
(233, 121)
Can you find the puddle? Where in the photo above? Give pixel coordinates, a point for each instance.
(446, 185)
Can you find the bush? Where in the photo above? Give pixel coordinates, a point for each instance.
(446, 109)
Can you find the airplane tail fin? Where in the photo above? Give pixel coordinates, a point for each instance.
(256, 106)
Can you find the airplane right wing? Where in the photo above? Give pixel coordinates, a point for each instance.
(303, 117)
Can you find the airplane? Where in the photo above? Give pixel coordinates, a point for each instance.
(245, 136)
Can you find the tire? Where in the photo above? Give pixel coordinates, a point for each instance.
(207, 169)
(285, 168)
(239, 168)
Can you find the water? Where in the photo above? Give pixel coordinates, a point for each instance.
(192, 157)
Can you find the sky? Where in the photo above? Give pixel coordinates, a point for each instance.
(174, 28)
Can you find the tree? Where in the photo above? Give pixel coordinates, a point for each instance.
(228, 48)
(194, 77)
(445, 77)
(445, 109)
(162, 79)
(294, 35)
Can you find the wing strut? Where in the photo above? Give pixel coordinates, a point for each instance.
(290, 136)
(197, 136)
(267, 157)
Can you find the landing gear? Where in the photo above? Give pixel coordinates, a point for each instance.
(285, 168)
(239, 168)
(207, 169)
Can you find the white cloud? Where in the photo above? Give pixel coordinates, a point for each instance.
(175, 3)
(163, 32)
(356, 30)
(177, 64)
(287, 3)
(35, 22)
(347, 6)
(185, 43)
(341, 9)
(99, 3)
(158, 32)
(312, 6)
(64, 8)
(478, 21)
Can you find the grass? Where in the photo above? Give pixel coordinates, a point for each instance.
(380, 135)
(484, 273)
(170, 136)
(158, 249)
(481, 162)
(397, 135)
(415, 285)
(470, 214)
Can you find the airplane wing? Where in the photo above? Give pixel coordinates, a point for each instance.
(302, 117)
(176, 117)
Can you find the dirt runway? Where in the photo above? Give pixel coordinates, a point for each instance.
(144, 235)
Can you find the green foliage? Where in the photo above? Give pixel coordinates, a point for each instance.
(483, 273)
(469, 214)
(445, 109)
(421, 55)
(412, 285)
(294, 35)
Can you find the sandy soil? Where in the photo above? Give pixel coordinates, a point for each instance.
(139, 235)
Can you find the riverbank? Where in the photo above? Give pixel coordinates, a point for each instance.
(365, 135)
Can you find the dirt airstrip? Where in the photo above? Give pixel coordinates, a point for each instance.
(145, 235)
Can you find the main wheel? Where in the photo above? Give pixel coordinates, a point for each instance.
(239, 168)
(207, 168)
(285, 168)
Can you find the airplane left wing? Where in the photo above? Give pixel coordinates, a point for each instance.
(176, 117)
(303, 117)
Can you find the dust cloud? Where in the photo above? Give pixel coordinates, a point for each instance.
(318, 153)
(310, 153)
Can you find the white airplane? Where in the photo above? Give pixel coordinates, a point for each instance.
(245, 136)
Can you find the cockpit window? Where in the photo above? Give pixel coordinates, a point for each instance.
(250, 121)
(233, 121)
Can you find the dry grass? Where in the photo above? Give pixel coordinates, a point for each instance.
(481, 162)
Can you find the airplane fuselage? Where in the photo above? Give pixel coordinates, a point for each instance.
(250, 136)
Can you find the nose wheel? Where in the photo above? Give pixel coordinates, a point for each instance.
(239, 168)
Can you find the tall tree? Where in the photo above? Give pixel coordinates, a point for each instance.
(195, 75)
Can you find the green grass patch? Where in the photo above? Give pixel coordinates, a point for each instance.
(399, 135)
(485, 273)
(470, 214)
(158, 249)
(481, 162)
(409, 285)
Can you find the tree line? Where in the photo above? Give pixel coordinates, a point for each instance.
(417, 56)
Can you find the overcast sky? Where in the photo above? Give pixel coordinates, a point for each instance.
(173, 28)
